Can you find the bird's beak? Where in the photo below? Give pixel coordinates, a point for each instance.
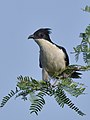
(31, 37)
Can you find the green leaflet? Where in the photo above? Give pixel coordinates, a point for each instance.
(86, 9)
(6, 98)
(84, 47)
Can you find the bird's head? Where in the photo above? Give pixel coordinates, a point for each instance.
(42, 33)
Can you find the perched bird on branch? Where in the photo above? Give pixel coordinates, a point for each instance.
(53, 58)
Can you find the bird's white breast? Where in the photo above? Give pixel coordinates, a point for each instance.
(52, 58)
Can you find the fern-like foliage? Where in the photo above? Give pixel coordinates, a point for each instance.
(37, 103)
(6, 98)
(36, 91)
(62, 99)
(84, 47)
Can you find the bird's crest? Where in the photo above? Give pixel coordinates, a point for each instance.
(45, 30)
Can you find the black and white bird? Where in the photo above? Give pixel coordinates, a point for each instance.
(53, 59)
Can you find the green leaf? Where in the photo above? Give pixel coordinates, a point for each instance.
(9, 96)
(62, 99)
(84, 47)
(86, 9)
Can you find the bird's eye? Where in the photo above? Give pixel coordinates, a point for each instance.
(41, 35)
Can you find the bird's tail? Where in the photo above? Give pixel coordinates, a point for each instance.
(76, 75)
(73, 74)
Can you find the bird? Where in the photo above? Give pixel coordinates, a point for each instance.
(53, 59)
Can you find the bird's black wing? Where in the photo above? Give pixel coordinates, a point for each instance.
(40, 65)
(66, 55)
(75, 74)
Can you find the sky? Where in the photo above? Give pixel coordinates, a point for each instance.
(19, 56)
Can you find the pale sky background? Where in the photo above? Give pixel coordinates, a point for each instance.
(19, 56)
